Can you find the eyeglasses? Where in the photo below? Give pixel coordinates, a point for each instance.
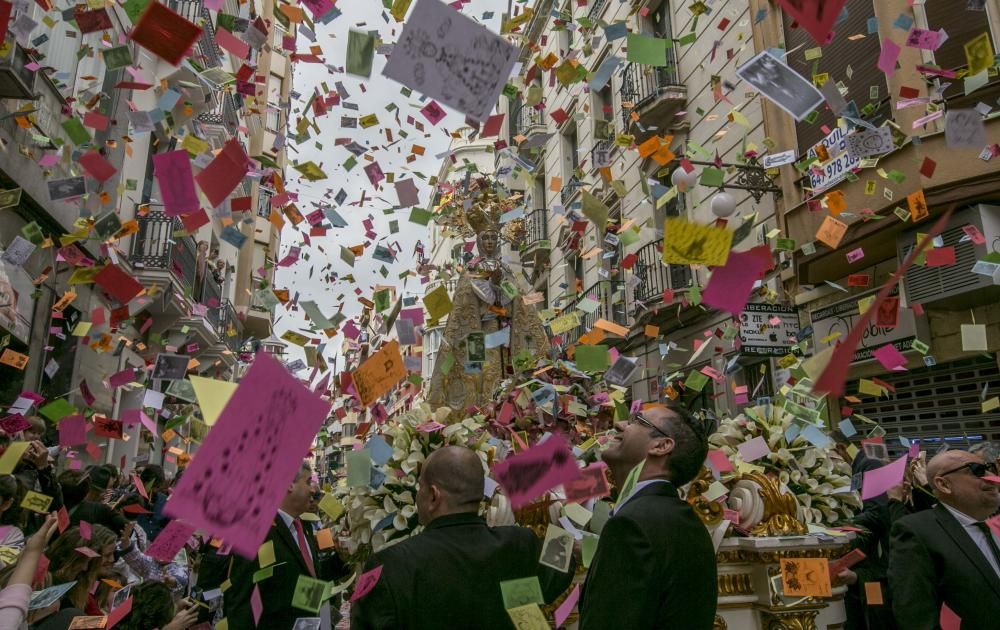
(975, 468)
(641, 419)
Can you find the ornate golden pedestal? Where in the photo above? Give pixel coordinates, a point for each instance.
(750, 593)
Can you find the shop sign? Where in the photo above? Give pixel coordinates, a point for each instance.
(768, 329)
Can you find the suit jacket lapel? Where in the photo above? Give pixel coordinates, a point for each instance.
(285, 536)
(964, 542)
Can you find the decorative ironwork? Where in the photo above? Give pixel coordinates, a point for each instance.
(750, 177)
(154, 247)
(523, 118)
(537, 226)
(569, 189)
(602, 291)
(596, 7)
(655, 276)
(642, 84)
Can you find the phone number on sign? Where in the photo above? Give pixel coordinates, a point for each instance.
(837, 168)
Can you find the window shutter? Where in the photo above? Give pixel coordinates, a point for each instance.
(861, 55)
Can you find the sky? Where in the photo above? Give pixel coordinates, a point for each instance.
(371, 95)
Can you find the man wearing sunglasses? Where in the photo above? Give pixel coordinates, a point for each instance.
(948, 554)
(655, 563)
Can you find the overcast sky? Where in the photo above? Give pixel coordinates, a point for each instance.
(371, 95)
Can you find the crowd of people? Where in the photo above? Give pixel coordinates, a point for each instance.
(927, 549)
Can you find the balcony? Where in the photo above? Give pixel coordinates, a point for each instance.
(155, 250)
(657, 277)
(525, 120)
(604, 291)
(569, 191)
(655, 93)
(207, 52)
(604, 148)
(596, 10)
(535, 250)
(272, 120)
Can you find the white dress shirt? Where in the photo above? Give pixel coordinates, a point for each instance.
(977, 535)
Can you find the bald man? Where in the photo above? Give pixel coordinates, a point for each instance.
(449, 575)
(948, 555)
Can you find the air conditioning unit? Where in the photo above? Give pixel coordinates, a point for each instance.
(16, 81)
(925, 285)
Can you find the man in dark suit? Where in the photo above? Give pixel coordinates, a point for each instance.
(655, 562)
(449, 575)
(295, 554)
(948, 555)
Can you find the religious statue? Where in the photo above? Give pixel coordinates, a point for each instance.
(491, 334)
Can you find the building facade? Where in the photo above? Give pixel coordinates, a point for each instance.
(198, 275)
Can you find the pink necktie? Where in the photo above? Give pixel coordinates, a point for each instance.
(304, 547)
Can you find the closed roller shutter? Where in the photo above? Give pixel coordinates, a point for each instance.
(859, 54)
(935, 404)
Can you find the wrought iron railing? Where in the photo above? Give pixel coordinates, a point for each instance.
(211, 296)
(523, 118)
(155, 247)
(656, 277)
(194, 11)
(537, 226)
(602, 147)
(642, 84)
(596, 7)
(569, 189)
(619, 301)
(228, 320)
(223, 113)
(272, 120)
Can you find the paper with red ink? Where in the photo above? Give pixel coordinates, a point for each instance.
(729, 287)
(530, 473)
(816, 16)
(173, 172)
(170, 540)
(224, 174)
(878, 481)
(366, 582)
(165, 33)
(236, 481)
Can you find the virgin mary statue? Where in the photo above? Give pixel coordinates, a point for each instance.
(491, 334)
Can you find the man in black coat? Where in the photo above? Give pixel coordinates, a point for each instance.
(655, 562)
(295, 554)
(948, 555)
(449, 575)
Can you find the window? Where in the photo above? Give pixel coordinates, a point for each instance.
(962, 26)
(566, 34)
(264, 202)
(571, 152)
(603, 113)
(849, 62)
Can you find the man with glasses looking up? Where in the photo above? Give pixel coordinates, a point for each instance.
(655, 564)
(949, 554)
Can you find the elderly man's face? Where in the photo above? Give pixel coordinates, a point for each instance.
(958, 486)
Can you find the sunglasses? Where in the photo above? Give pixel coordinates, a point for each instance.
(977, 469)
(641, 419)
